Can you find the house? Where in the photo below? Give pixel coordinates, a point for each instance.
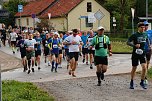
(65, 14)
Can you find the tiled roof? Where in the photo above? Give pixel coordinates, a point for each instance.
(62, 7)
(55, 7)
(35, 7)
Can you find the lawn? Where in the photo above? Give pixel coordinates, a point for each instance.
(120, 47)
(149, 73)
(19, 91)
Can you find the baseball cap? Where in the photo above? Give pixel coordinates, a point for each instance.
(100, 28)
(56, 33)
(146, 23)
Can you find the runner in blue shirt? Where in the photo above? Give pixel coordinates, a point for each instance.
(84, 38)
(54, 45)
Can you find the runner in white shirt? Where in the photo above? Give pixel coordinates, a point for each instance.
(30, 51)
(13, 37)
(73, 41)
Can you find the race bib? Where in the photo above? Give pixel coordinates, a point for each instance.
(100, 44)
(22, 45)
(139, 51)
(55, 46)
(86, 46)
(46, 45)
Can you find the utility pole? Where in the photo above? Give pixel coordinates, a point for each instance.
(146, 10)
(1, 7)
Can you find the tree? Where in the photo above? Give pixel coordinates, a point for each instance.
(120, 9)
(12, 7)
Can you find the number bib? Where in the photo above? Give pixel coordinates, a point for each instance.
(55, 46)
(139, 51)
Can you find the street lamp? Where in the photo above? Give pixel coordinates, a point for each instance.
(132, 11)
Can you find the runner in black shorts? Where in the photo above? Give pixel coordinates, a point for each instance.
(38, 50)
(23, 52)
(137, 41)
(73, 41)
(92, 50)
(84, 38)
(45, 47)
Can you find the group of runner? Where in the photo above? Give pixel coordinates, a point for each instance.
(95, 48)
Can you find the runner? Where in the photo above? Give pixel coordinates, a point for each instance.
(102, 45)
(30, 52)
(73, 41)
(137, 41)
(91, 50)
(45, 47)
(66, 48)
(148, 49)
(23, 51)
(60, 50)
(84, 38)
(54, 45)
(38, 50)
(50, 56)
(13, 37)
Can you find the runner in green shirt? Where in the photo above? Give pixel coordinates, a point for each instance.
(138, 41)
(102, 47)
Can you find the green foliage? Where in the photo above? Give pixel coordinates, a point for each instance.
(12, 7)
(18, 91)
(149, 73)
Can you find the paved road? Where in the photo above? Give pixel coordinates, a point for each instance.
(82, 88)
(118, 63)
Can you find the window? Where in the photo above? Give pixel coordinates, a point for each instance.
(19, 22)
(88, 24)
(27, 21)
(89, 7)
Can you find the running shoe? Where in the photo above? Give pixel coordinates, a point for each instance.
(13, 52)
(49, 64)
(131, 85)
(87, 63)
(32, 69)
(39, 68)
(35, 63)
(143, 85)
(70, 72)
(99, 83)
(102, 76)
(83, 60)
(91, 67)
(29, 71)
(52, 69)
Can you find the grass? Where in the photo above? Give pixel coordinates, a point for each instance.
(120, 47)
(149, 73)
(19, 91)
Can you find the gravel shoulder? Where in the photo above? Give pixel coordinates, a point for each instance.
(115, 88)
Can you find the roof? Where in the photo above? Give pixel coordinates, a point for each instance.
(41, 8)
(35, 7)
(61, 8)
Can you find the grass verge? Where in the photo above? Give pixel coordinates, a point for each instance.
(120, 47)
(149, 73)
(20, 91)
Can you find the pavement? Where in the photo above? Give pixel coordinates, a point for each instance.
(118, 63)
